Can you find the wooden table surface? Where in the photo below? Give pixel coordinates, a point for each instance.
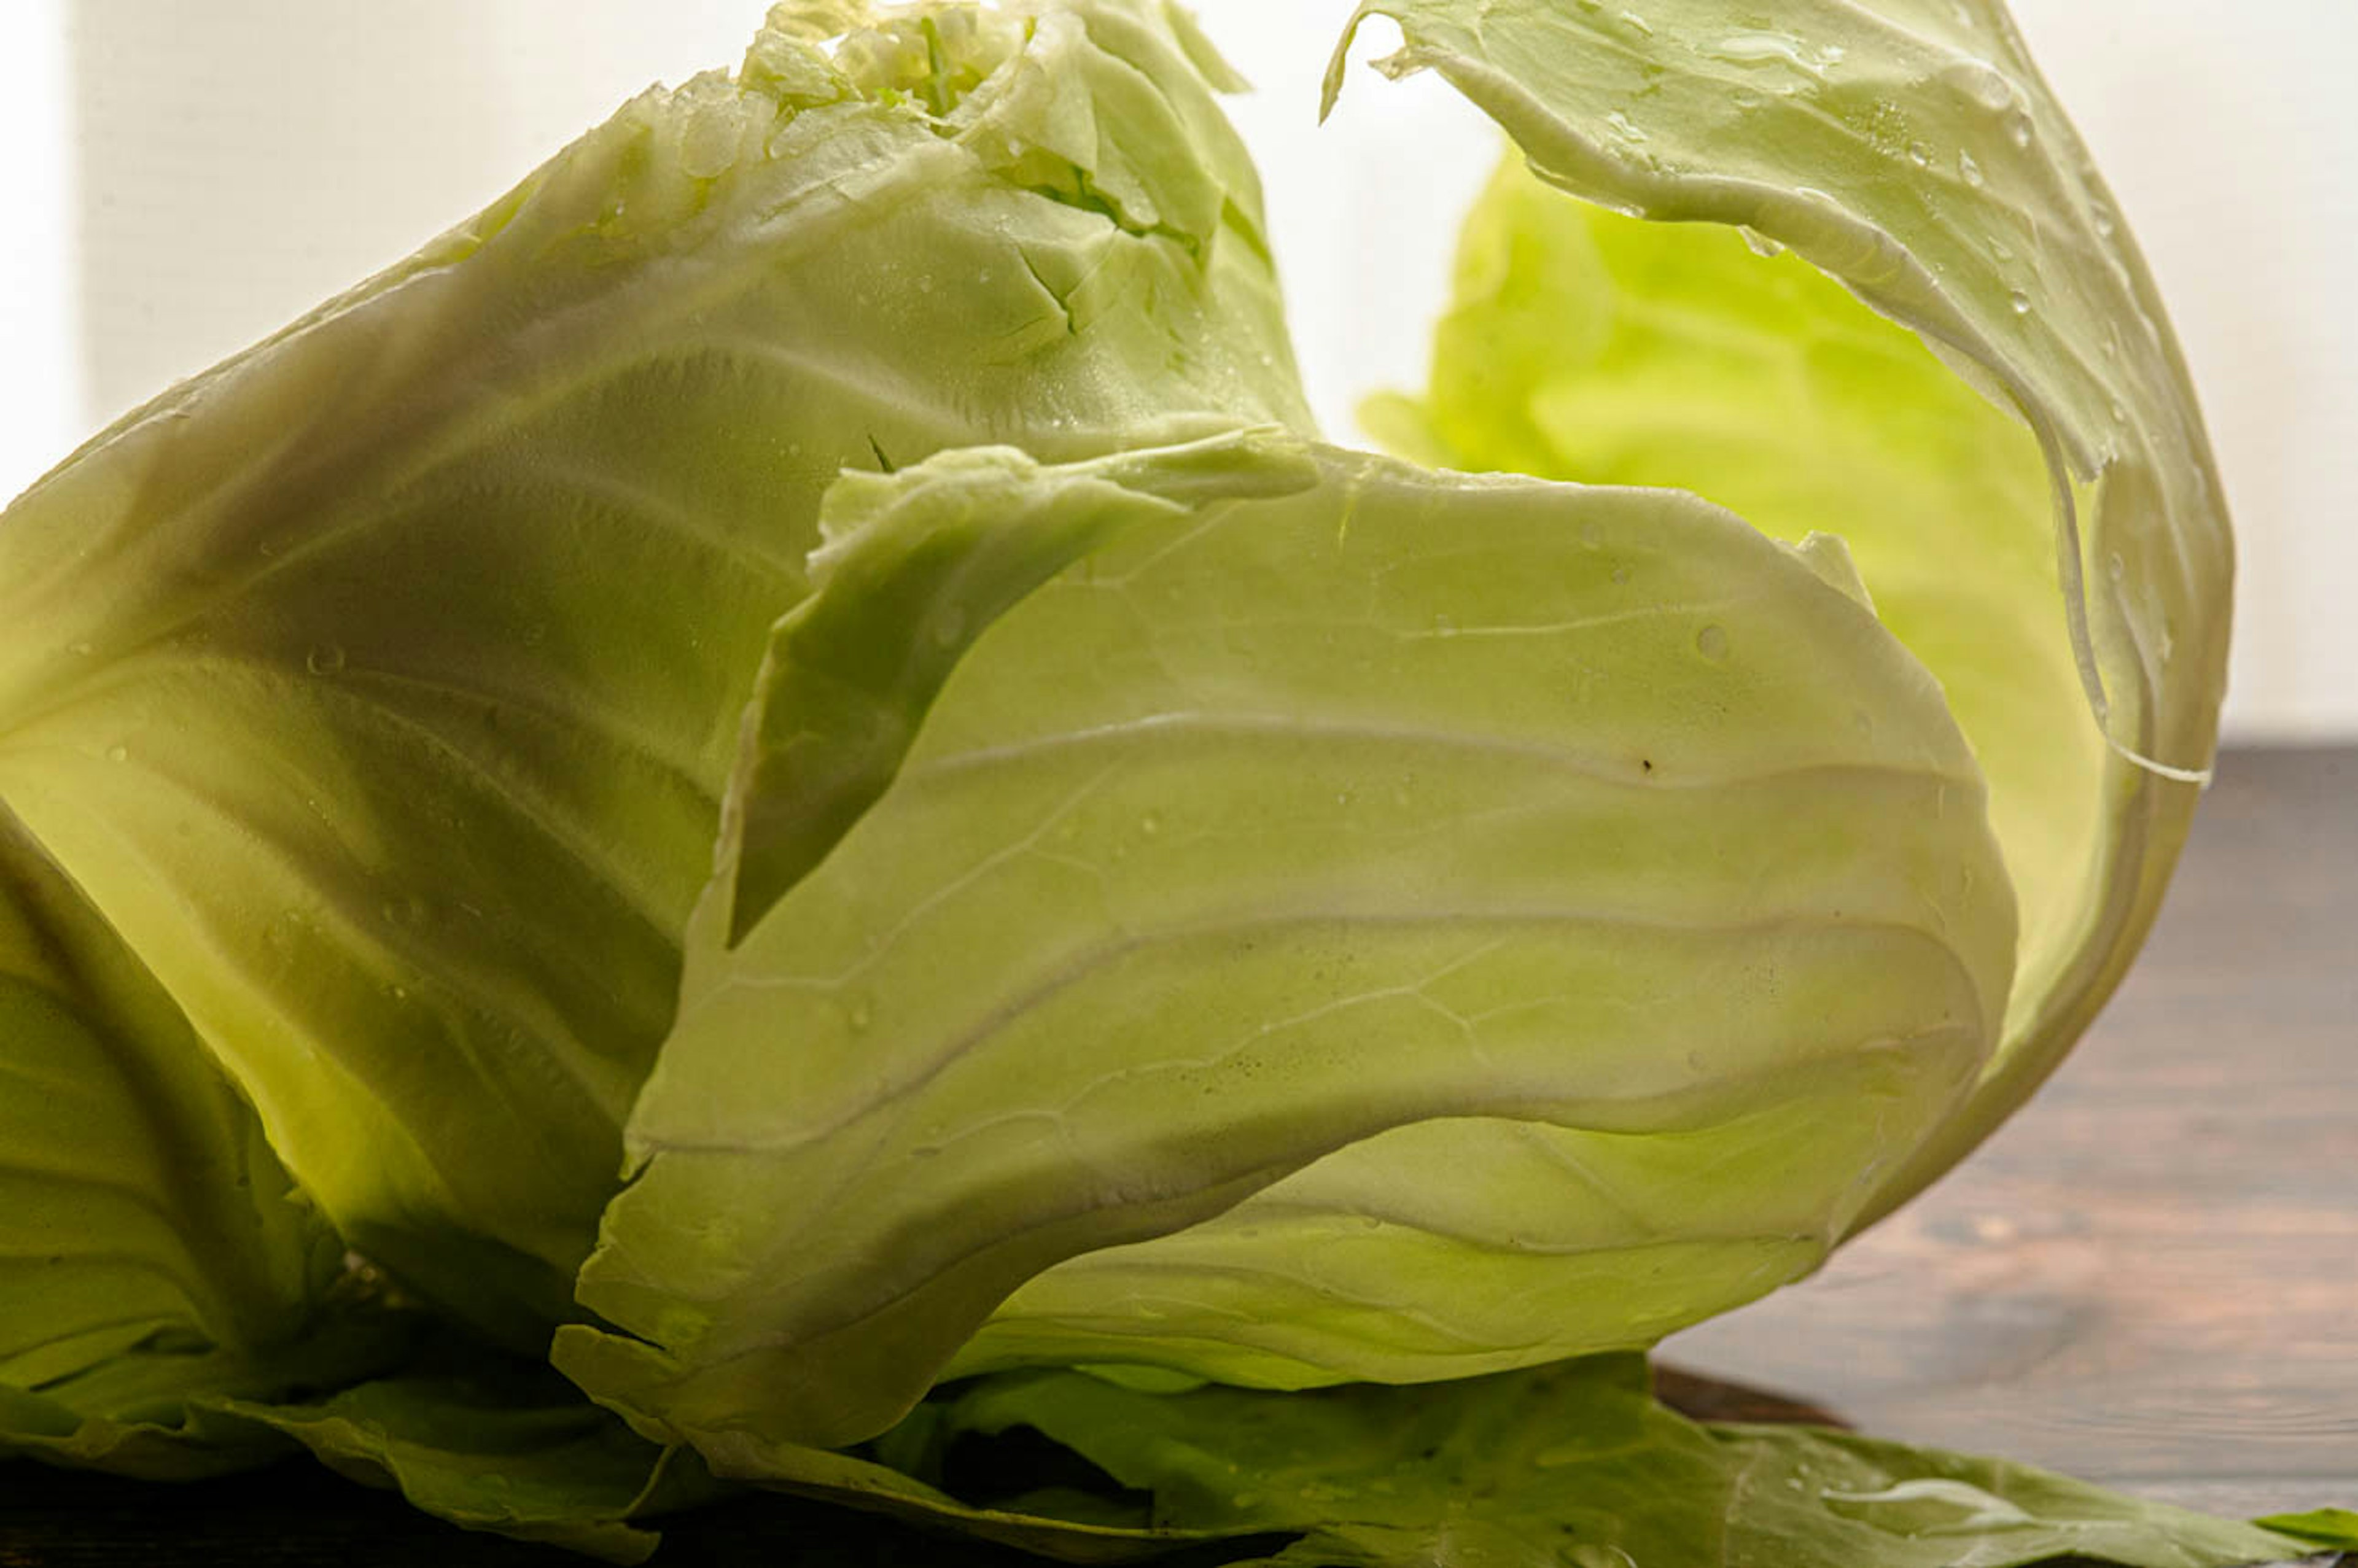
(2151, 1277)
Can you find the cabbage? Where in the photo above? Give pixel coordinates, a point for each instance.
(783, 776)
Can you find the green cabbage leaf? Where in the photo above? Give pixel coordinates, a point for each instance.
(1397, 930)
(490, 1442)
(153, 1252)
(1578, 1465)
(1910, 151)
(781, 777)
(379, 685)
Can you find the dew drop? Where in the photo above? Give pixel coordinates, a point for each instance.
(324, 659)
(118, 753)
(1760, 244)
(1982, 83)
(1763, 49)
(861, 1015)
(1969, 169)
(1712, 643)
(1151, 825)
(2118, 568)
(1620, 573)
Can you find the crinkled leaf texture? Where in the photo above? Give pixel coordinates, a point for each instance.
(152, 1253)
(1909, 149)
(379, 685)
(1412, 926)
(1578, 1465)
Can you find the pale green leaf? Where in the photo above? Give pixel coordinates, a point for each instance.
(152, 1250)
(1910, 150)
(1480, 909)
(380, 684)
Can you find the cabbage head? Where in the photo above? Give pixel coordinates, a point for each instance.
(781, 774)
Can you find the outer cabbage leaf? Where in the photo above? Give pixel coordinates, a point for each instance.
(1909, 149)
(1578, 1465)
(2317, 1527)
(379, 685)
(1586, 345)
(496, 1445)
(916, 570)
(1502, 919)
(152, 1251)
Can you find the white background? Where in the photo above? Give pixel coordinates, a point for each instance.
(185, 177)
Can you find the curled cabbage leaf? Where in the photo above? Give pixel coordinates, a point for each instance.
(1910, 151)
(1410, 927)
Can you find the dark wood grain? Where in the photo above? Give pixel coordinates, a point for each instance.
(2150, 1276)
